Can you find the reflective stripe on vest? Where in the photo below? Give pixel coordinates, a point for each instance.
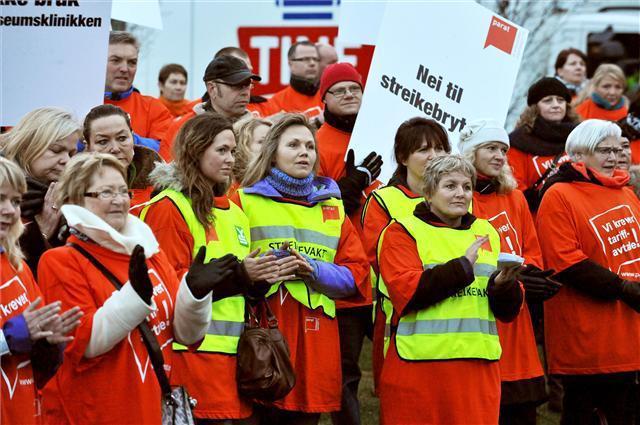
(313, 230)
(463, 325)
(396, 203)
(231, 236)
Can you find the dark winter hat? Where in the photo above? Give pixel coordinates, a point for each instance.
(547, 86)
(336, 73)
(228, 69)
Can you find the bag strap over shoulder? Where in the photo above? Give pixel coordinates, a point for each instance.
(548, 171)
(254, 315)
(150, 341)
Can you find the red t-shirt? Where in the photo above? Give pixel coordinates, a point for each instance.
(509, 215)
(528, 168)
(119, 386)
(18, 396)
(289, 100)
(578, 221)
(313, 337)
(588, 109)
(149, 117)
(209, 377)
(459, 391)
(332, 148)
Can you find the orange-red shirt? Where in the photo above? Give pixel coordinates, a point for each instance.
(589, 109)
(18, 396)
(332, 148)
(209, 377)
(313, 337)
(528, 168)
(509, 215)
(177, 108)
(578, 221)
(118, 386)
(429, 392)
(149, 117)
(166, 149)
(289, 100)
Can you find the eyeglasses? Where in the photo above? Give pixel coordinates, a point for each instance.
(339, 93)
(306, 59)
(240, 86)
(106, 195)
(606, 151)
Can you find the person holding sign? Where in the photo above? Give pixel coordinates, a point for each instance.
(417, 142)
(495, 198)
(537, 143)
(107, 129)
(341, 91)
(42, 143)
(588, 231)
(439, 265)
(30, 333)
(150, 119)
(294, 213)
(191, 213)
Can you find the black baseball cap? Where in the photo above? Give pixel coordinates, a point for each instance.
(229, 69)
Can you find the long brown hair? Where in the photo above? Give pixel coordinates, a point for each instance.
(259, 168)
(195, 136)
(531, 112)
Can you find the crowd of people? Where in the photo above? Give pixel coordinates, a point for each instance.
(174, 218)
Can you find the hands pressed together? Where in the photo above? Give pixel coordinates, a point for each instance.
(46, 322)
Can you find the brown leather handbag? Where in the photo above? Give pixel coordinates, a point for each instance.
(264, 372)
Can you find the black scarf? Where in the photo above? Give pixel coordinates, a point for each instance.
(545, 139)
(304, 86)
(344, 122)
(485, 185)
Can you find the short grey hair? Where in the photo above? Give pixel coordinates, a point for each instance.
(588, 134)
(444, 165)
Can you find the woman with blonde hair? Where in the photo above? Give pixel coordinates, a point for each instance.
(495, 198)
(114, 269)
(537, 143)
(190, 214)
(29, 335)
(41, 143)
(296, 214)
(604, 98)
(250, 136)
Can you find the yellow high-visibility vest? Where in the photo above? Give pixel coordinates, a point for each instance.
(396, 203)
(463, 325)
(232, 230)
(313, 230)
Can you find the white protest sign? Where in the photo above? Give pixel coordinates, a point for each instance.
(54, 53)
(359, 22)
(139, 12)
(451, 62)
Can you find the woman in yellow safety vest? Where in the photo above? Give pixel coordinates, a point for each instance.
(192, 218)
(297, 214)
(439, 265)
(418, 140)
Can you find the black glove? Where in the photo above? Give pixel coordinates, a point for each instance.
(139, 275)
(203, 278)
(537, 285)
(373, 164)
(631, 294)
(33, 199)
(236, 283)
(257, 290)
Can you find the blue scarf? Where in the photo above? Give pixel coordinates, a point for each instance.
(118, 96)
(290, 186)
(604, 103)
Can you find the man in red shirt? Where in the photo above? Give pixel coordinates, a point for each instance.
(302, 94)
(149, 117)
(341, 92)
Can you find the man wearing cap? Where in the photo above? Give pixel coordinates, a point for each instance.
(228, 80)
(150, 119)
(302, 94)
(341, 93)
